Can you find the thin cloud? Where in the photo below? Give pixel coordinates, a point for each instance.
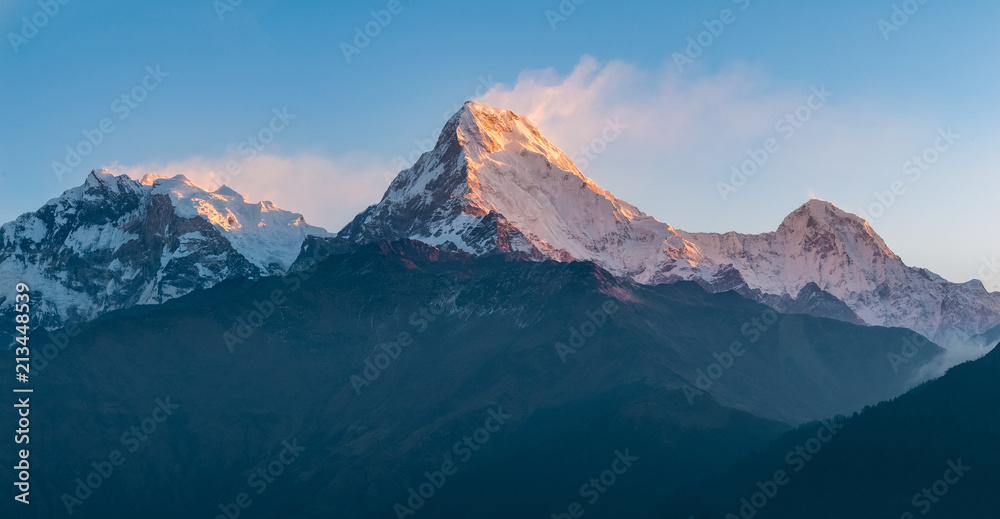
(659, 107)
(685, 134)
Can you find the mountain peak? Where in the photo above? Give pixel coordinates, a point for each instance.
(493, 183)
(822, 210)
(225, 190)
(100, 178)
(131, 242)
(104, 181)
(99, 175)
(819, 217)
(482, 130)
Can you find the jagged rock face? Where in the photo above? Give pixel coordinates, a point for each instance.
(114, 242)
(493, 184)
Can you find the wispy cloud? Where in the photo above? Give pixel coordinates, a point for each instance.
(686, 133)
(660, 107)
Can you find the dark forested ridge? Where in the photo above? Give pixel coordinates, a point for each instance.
(932, 452)
(384, 363)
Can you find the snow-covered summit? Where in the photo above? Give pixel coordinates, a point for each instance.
(493, 184)
(113, 242)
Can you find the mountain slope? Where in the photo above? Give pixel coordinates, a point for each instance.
(115, 242)
(493, 184)
(318, 356)
(884, 458)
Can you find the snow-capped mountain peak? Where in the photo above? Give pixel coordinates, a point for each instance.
(817, 217)
(493, 184)
(225, 190)
(113, 242)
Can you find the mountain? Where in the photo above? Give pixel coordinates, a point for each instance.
(929, 453)
(820, 245)
(494, 184)
(378, 361)
(114, 242)
(491, 185)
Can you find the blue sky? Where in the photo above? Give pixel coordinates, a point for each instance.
(220, 72)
